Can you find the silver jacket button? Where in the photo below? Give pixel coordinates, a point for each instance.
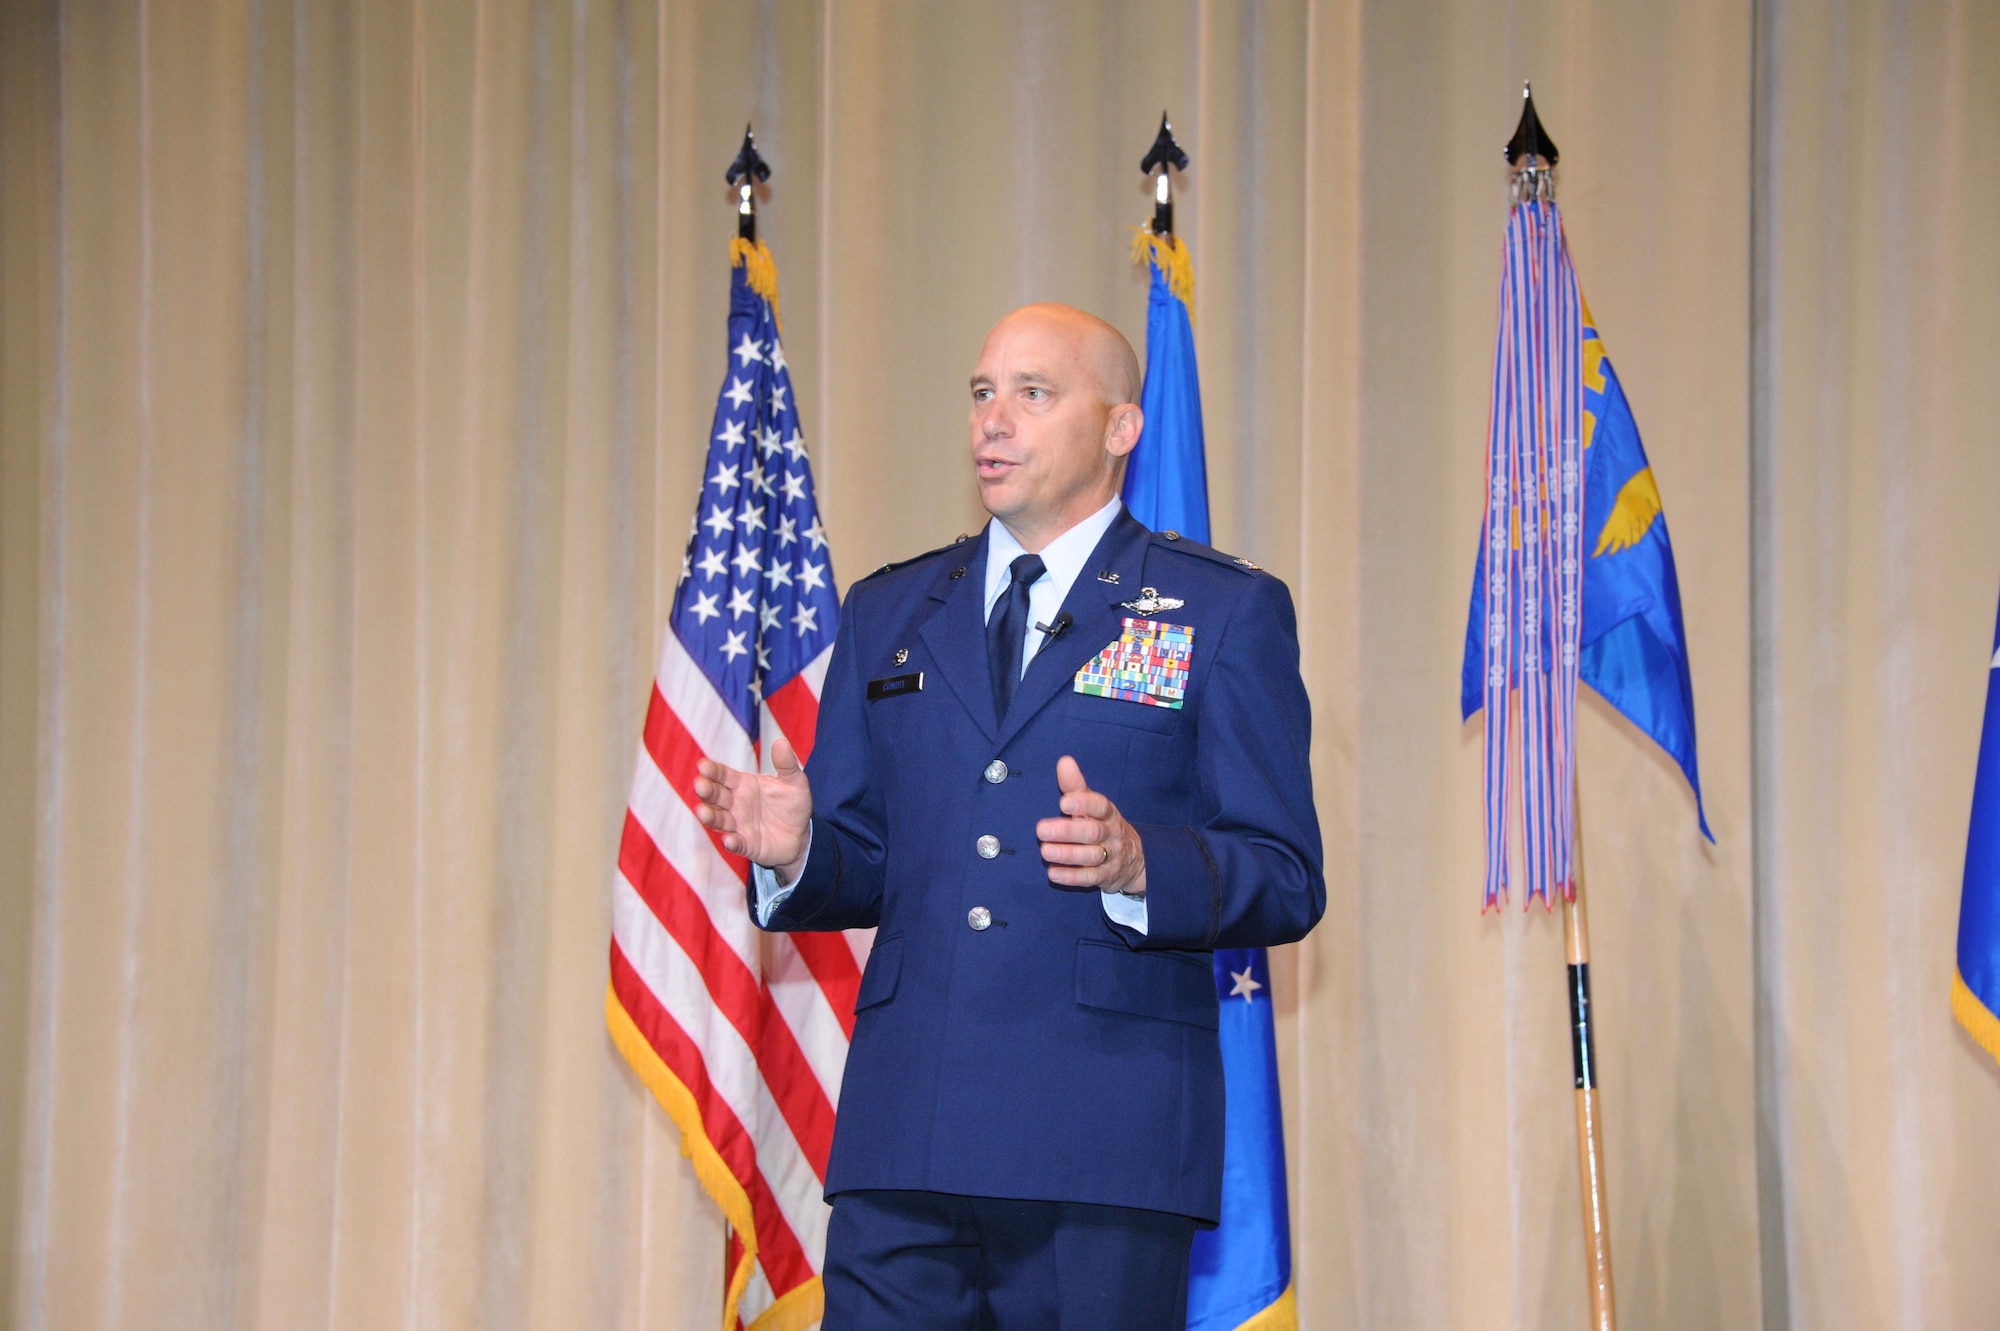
(996, 771)
(988, 846)
(979, 917)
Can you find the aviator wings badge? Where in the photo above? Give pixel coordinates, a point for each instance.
(1150, 602)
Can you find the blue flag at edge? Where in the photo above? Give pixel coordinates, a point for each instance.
(1975, 990)
(1242, 1268)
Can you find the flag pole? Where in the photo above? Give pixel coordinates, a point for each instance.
(1164, 153)
(1589, 1117)
(747, 172)
(1531, 154)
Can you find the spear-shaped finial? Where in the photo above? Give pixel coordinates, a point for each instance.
(750, 168)
(1530, 139)
(1165, 152)
(1532, 153)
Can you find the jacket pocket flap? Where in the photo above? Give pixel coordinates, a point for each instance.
(1124, 712)
(1145, 984)
(885, 967)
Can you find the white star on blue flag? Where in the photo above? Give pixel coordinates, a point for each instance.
(749, 517)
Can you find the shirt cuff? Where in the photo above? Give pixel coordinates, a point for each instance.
(1128, 911)
(770, 896)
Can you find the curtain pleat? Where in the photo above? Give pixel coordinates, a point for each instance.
(356, 365)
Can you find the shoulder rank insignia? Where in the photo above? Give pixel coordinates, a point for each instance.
(1150, 602)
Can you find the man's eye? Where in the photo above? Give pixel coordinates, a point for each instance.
(1036, 394)
(981, 394)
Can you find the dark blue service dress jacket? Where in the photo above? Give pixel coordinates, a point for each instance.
(1052, 1054)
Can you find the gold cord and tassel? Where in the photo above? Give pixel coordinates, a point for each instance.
(1172, 259)
(760, 268)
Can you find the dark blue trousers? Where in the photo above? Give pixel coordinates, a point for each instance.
(932, 1261)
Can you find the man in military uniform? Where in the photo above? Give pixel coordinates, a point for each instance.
(1056, 765)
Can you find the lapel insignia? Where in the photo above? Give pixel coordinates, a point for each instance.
(1148, 664)
(1150, 602)
(902, 655)
(1107, 575)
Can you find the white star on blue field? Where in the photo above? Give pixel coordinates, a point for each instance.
(756, 601)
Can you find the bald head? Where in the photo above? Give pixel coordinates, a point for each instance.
(1054, 413)
(1099, 347)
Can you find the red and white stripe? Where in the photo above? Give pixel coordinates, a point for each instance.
(755, 1026)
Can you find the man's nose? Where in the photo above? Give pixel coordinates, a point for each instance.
(994, 423)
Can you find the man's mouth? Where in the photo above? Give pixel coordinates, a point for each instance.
(992, 468)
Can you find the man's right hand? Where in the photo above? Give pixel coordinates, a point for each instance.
(763, 818)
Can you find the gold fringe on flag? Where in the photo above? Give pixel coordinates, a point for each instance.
(1171, 257)
(709, 1168)
(798, 1309)
(1280, 1316)
(761, 269)
(1972, 1014)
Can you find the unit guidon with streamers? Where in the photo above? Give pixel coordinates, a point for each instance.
(740, 1036)
(1533, 556)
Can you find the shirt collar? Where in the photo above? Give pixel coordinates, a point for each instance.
(1063, 556)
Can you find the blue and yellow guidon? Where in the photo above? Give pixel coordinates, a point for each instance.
(1636, 506)
(1634, 639)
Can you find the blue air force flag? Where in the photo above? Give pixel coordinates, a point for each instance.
(1975, 988)
(1166, 482)
(1634, 643)
(1240, 1272)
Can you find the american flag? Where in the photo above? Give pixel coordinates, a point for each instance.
(740, 1035)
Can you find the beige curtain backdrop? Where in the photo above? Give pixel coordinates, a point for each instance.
(355, 368)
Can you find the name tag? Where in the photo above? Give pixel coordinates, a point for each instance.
(895, 686)
(1148, 664)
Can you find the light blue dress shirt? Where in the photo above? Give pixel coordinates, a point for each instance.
(1064, 558)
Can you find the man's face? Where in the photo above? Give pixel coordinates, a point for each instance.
(1039, 424)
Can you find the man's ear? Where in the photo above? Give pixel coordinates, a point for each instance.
(1121, 432)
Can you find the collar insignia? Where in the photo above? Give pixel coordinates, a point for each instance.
(1150, 602)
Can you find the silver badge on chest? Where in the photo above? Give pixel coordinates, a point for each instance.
(1150, 602)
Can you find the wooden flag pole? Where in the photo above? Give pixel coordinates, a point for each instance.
(1589, 1120)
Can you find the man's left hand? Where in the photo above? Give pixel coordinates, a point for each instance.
(1091, 846)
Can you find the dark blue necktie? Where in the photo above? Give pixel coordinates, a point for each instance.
(1007, 631)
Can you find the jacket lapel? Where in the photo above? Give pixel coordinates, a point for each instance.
(956, 631)
(1098, 617)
